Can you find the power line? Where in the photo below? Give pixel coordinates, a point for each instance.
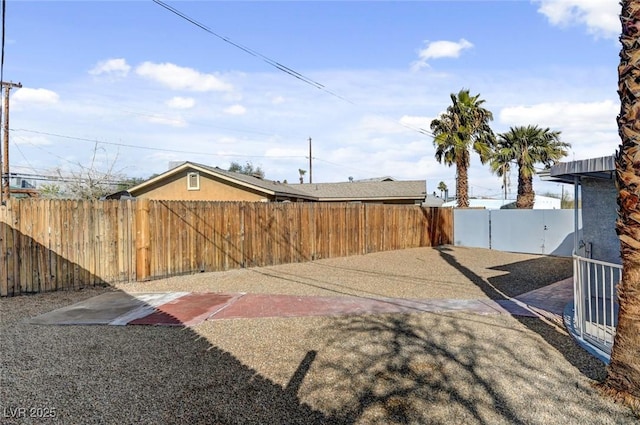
(17, 146)
(344, 166)
(127, 145)
(169, 118)
(419, 130)
(63, 179)
(252, 52)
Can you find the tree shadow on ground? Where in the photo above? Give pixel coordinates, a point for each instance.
(528, 275)
(448, 368)
(395, 371)
(525, 276)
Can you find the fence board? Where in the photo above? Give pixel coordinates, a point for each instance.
(48, 245)
(14, 264)
(4, 227)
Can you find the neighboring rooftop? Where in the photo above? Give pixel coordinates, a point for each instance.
(432, 201)
(540, 203)
(365, 190)
(377, 179)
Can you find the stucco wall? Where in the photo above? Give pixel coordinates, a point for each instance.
(599, 213)
(175, 189)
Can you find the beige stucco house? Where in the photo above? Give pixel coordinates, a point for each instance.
(190, 181)
(196, 182)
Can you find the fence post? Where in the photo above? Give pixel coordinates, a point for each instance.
(143, 236)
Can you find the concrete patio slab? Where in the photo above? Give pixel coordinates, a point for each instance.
(550, 301)
(110, 308)
(188, 309)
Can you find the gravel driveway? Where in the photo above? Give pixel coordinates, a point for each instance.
(397, 368)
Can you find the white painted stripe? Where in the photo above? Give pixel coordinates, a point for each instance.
(150, 302)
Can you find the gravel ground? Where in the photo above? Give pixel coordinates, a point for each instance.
(444, 272)
(418, 368)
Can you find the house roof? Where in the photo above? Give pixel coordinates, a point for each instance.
(366, 190)
(269, 187)
(433, 201)
(347, 191)
(377, 179)
(565, 172)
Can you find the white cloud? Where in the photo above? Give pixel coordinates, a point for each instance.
(416, 122)
(32, 140)
(278, 100)
(117, 67)
(440, 49)
(36, 96)
(591, 115)
(235, 110)
(181, 102)
(286, 152)
(599, 16)
(227, 140)
(181, 78)
(379, 125)
(172, 122)
(590, 127)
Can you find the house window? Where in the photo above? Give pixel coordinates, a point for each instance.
(193, 181)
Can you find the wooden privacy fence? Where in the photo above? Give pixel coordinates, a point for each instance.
(48, 245)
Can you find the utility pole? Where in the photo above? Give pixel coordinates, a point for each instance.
(7, 87)
(310, 164)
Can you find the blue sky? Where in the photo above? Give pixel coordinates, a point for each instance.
(131, 73)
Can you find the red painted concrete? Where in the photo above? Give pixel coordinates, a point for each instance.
(263, 305)
(187, 310)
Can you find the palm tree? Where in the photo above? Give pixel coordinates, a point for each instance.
(623, 373)
(526, 147)
(464, 126)
(442, 187)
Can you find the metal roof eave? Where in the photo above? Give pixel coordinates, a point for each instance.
(566, 172)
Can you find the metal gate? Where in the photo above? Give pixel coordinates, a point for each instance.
(549, 232)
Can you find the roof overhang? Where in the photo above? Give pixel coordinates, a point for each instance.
(566, 172)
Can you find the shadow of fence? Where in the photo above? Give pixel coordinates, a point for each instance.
(28, 266)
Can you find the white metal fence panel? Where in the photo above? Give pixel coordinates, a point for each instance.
(518, 231)
(471, 228)
(549, 232)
